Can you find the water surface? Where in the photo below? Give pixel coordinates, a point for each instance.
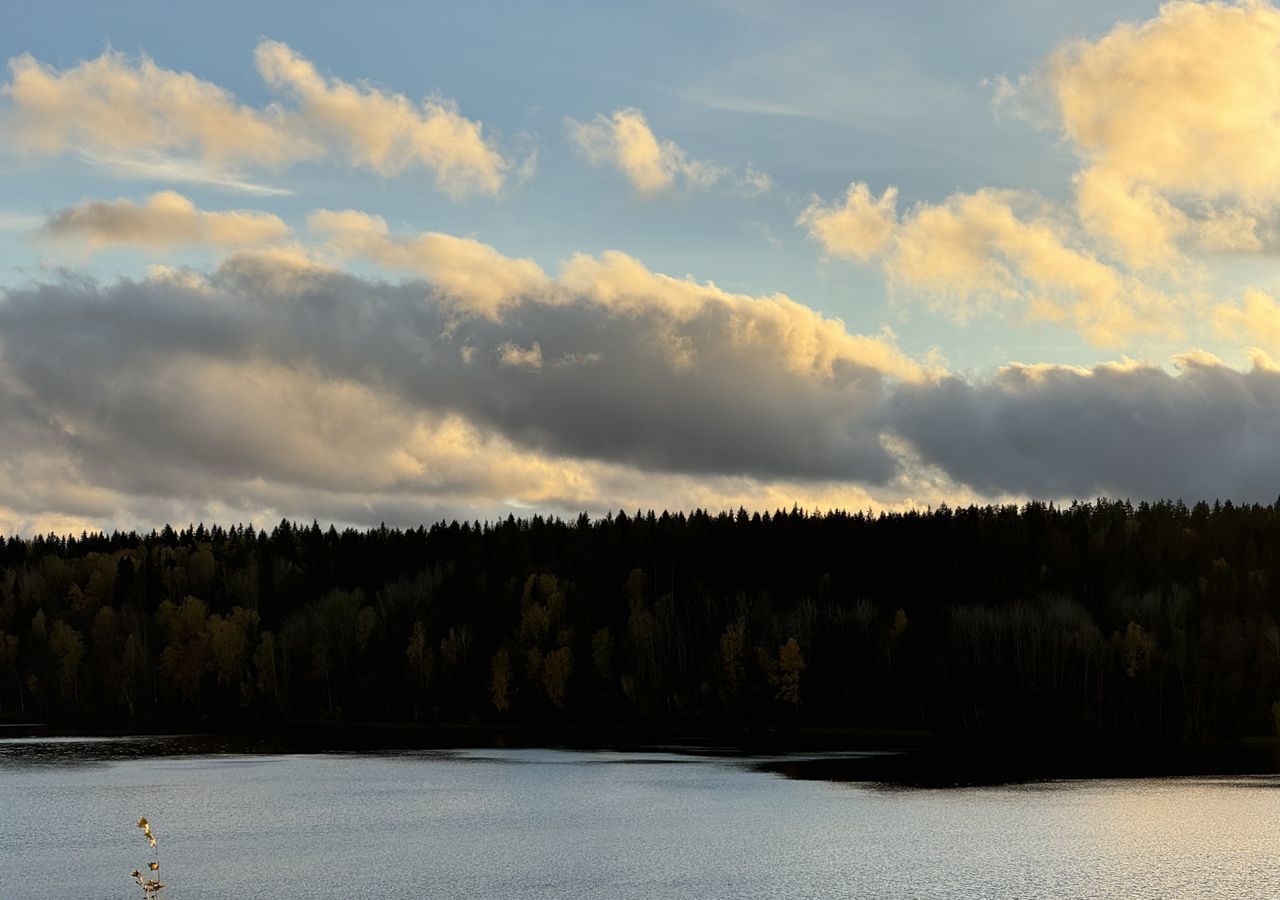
(514, 824)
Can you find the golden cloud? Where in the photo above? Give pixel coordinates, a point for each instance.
(1255, 319)
(136, 117)
(859, 228)
(383, 131)
(1177, 120)
(625, 141)
(481, 280)
(996, 251)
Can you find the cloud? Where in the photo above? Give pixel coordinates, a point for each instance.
(210, 428)
(1255, 319)
(118, 105)
(1176, 121)
(519, 357)
(1204, 431)
(382, 131)
(774, 393)
(138, 119)
(475, 277)
(754, 182)
(477, 280)
(774, 329)
(976, 248)
(463, 472)
(282, 270)
(625, 141)
(859, 228)
(1176, 124)
(267, 437)
(142, 165)
(993, 251)
(275, 385)
(164, 219)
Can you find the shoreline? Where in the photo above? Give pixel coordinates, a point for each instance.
(892, 758)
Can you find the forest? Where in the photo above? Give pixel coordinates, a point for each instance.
(1106, 618)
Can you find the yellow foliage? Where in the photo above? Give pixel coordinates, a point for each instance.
(900, 622)
(500, 680)
(602, 653)
(733, 645)
(1139, 649)
(790, 665)
(555, 676)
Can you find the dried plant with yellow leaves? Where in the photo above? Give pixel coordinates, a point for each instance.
(150, 882)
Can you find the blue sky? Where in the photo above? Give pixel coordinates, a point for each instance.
(887, 94)
(988, 127)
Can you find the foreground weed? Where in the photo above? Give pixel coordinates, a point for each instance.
(150, 882)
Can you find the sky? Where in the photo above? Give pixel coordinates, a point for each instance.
(401, 263)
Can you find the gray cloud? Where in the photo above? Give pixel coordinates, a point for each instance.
(1206, 431)
(171, 384)
(165, 219)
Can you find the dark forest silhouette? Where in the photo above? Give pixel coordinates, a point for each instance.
(1157, 620)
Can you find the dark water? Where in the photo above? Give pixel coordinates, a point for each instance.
(542, 823)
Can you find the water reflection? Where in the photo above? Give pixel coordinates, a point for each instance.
(87, 751)
(936, 767)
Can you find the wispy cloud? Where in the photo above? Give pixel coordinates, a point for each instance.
(143, 166)
(137, 119)
(760, 107)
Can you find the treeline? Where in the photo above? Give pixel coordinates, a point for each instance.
(1103, 618)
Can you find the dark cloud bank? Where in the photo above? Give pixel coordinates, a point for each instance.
(89, 381)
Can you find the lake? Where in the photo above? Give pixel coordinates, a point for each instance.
(513, 824)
